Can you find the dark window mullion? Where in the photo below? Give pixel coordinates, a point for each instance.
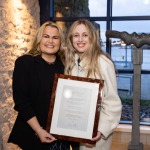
(76, 18)
(51, 9)
(109, 25)
(130, 18)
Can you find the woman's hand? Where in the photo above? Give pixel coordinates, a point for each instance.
(44, 136)
(96, 138)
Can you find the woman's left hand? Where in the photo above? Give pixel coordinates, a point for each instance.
(96, 138)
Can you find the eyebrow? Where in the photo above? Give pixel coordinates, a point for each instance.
(78, 32)
(53, 35)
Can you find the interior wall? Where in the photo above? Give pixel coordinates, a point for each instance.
(19, 20)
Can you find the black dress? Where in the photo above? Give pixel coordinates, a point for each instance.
(32, 86)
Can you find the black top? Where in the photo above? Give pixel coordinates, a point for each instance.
(32, 86)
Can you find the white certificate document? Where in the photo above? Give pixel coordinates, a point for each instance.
(74, 108)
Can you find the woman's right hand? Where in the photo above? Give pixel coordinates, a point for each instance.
(44, 136)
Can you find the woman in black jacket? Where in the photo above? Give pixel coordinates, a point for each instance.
(32, 85)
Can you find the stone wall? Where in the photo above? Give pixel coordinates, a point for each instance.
(19, 20)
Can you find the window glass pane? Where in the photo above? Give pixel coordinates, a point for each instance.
(125, 91)
(102, 30)
(121, 53)
(131, 7)
(146, 58)
(69, 8)
(80, 8)
(145, 98)
(97, 8)
(132, 26)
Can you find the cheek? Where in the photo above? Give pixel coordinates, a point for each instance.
(40, 45)
(88, 42)
(74, 42)
(58, 43)
(74, 45)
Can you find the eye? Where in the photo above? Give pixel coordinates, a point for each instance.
(75, 35)
(45, 36)
(85, 35)
(56, 37)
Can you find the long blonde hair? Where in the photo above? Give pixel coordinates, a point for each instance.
(90, 56)
(35, 50)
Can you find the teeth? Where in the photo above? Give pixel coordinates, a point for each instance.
(50, 46)
(81, 45)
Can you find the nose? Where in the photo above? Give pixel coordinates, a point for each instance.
(80, 38)
(50, 40)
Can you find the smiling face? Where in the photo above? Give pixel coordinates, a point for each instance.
(50, 41)
(80, 39)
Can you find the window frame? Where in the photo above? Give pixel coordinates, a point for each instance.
(109, 19)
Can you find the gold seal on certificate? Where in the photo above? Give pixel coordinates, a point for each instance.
(74, 108)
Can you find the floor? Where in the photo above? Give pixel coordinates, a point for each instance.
(121, 146)
(122, 137)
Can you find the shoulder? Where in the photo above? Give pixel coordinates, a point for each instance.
(106, 66)
(24, 60)
(105, 61)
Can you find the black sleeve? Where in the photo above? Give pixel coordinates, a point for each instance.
(21, 87)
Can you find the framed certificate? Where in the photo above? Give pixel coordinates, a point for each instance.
(74, 108)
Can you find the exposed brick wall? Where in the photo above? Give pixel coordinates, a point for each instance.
(19, 20)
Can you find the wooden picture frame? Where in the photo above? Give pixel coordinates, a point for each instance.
(74, 108)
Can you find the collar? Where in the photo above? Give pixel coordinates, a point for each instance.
(39, 59)
(82, 63)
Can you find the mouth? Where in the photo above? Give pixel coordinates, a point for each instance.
(80, 45)
(49, 46)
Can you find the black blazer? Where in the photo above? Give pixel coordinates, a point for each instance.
(32, 86)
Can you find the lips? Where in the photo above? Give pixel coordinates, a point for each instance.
(81, 44)
(50, 46)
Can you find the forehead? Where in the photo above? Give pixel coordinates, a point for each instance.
(80, 28)
(51, 30)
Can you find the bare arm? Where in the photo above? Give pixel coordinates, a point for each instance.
(44, 136)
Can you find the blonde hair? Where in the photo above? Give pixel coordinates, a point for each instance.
(35, 50)
(90, 56)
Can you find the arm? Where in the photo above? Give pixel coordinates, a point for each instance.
(21, 87)
(111, 104)
(41, 133)
(22, 98)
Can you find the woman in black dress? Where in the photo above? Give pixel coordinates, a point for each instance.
(32, 85)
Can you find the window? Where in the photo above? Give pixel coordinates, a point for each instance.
(131, 7)
(101, 5)
(130, 16)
